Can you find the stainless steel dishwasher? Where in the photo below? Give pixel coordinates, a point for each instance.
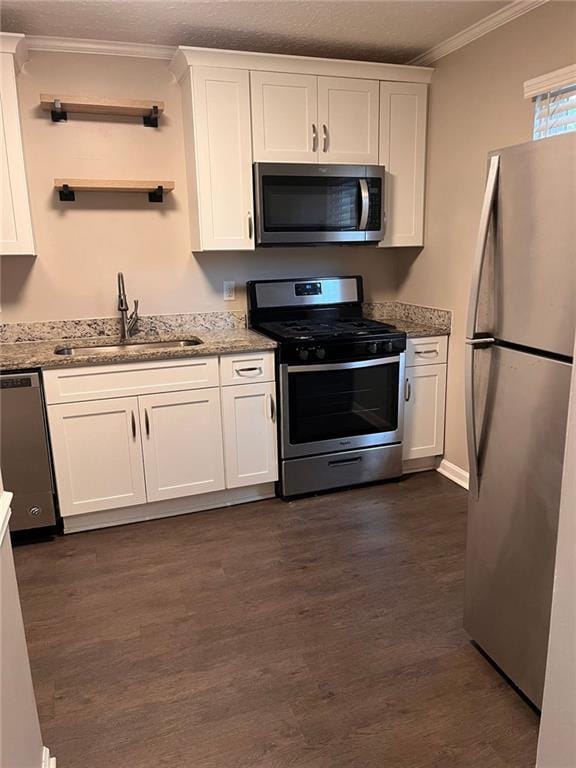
(24, 451)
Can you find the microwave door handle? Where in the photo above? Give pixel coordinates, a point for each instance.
(365, 204)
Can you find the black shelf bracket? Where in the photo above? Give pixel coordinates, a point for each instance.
(157, 195)
(58, 114)
(66, 194)
(151, 120)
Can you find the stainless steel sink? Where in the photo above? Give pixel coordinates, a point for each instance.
(104, 349)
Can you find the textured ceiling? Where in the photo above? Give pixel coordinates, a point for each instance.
(385, 30)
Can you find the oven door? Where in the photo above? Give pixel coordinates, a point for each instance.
(318, 203)
(340, 406)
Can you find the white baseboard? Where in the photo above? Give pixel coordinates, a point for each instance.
(157, 509)
(47, 761)
(454, 473)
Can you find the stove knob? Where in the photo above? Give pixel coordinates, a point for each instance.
(389, 346)
(320, 353)
(302, 354)
(372, 348)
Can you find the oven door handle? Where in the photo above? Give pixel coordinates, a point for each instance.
(365, 201)
(343, 366)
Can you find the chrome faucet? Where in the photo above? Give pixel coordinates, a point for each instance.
(129, 322)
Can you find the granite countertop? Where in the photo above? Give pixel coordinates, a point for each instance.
(417, 329)
(40, 354)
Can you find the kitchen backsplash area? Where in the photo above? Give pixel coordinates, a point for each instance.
(157, 325)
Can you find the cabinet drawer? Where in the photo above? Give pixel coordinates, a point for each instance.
(246, 368)
(427, 351)
(65, 385)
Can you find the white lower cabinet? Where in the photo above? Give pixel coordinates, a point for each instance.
(182, 443)
(97, 455)
(249, 415)
(152, 446)
(425, 396)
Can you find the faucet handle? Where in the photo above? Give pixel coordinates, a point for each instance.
(135, 313)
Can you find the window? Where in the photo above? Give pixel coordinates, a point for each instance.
(555, 112)
(554, 97)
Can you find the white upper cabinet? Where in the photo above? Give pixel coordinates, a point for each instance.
(16, 234)
(348, 120)
(403, 153)
(182, 443)
(219, 158)
(284, 117)
(242, 107)
(308, 119)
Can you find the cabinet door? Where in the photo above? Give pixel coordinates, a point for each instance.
(403, 153)
(284, 117)
(348, 120)
(16, 236)
(97, 455)
(223, 158)
(182, 442)
(250, 447)
(425, 394)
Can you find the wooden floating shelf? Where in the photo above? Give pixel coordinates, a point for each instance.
(155, 189)
(59, 106)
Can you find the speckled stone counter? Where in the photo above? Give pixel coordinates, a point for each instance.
(415, 320)
(40, 354)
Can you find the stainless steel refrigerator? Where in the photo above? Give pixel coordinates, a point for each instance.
(519, 347)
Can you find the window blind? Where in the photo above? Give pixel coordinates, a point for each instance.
(555, 112)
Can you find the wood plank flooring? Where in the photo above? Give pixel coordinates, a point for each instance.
(323, 633)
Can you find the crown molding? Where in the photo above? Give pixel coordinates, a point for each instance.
(101, 47)
(16, 45)
(551, 81)
(481, 28)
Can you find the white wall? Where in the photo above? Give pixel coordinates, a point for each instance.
(82, 245)
(557, 743)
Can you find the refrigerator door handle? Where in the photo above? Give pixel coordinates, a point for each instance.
(473, 472)
(485, 215)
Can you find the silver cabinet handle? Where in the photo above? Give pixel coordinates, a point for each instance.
(474, 472)
(324, 137)
(250, 227)
(133, 426)
(147, 422)
(482, 239)
(272, 407)
(250, 373)
(365, 202)
(314, 138)
(407, 390)
(426, 352)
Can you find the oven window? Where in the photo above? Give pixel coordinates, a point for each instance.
(308, 204)
(327, 405)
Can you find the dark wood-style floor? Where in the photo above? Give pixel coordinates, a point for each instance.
(324, 633)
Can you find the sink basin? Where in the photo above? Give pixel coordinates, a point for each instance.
(104, 349)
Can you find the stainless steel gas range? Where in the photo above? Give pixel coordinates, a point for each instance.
(339, 378)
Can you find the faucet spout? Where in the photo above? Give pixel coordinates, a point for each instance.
(122, 301)
(128, 322)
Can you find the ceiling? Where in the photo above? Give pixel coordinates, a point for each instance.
(373, 30)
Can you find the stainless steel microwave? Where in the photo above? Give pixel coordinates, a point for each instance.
(305, 203)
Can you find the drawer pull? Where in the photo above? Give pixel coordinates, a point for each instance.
(250, 373)
(426, 352)
(341, 462)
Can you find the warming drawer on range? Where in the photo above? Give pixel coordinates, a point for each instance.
(317, 473)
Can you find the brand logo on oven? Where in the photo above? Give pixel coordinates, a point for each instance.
(345, 442)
